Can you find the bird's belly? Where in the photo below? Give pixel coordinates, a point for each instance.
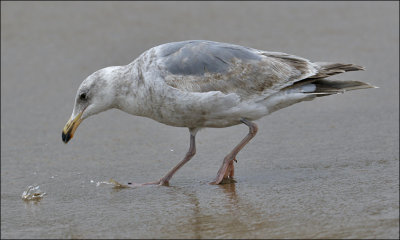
(212, 109)
(199, 121)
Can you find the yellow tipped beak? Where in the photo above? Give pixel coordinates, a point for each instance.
(70, 127)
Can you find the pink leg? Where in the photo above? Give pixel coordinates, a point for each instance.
(191, 152)
(226, 171)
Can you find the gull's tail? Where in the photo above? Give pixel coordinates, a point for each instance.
(325, 87)
(317, 86)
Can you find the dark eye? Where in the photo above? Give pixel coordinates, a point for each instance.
(82, 96)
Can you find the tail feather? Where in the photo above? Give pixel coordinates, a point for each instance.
(326, 69)
(309, 89)
(331, 86)
(323, 87)
(316, 86)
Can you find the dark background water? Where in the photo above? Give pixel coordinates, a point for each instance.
(321, 169)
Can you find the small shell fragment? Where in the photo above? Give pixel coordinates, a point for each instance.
(32, 193)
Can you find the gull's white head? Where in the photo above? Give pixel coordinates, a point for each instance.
(96, 94)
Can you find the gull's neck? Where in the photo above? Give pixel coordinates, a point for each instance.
(130, 90)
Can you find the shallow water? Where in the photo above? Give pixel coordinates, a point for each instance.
(321, 169)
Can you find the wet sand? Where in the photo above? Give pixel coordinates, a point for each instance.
(321, 169)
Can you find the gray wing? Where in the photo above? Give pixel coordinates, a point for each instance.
(198, 57)
(202, 66)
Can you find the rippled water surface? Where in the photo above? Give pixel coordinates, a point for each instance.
(321, 169)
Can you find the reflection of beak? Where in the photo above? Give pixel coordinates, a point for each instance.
(70, 127)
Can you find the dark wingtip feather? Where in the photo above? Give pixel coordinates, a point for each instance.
(324, 86)
(327, 69)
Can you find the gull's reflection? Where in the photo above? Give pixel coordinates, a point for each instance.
(223, 213)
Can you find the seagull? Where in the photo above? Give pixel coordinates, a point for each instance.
(205, 84)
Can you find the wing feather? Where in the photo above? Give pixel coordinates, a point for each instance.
(203, 66)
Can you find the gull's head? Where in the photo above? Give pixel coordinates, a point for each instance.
(96, 94)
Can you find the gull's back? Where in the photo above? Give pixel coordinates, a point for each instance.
(203, 66)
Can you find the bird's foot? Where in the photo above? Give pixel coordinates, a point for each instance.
(225, 180)
(159, 182)
(226, 173)
(228, 180)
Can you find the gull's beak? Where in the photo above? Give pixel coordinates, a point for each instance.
(70, 127)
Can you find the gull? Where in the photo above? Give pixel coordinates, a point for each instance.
(205, 84)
